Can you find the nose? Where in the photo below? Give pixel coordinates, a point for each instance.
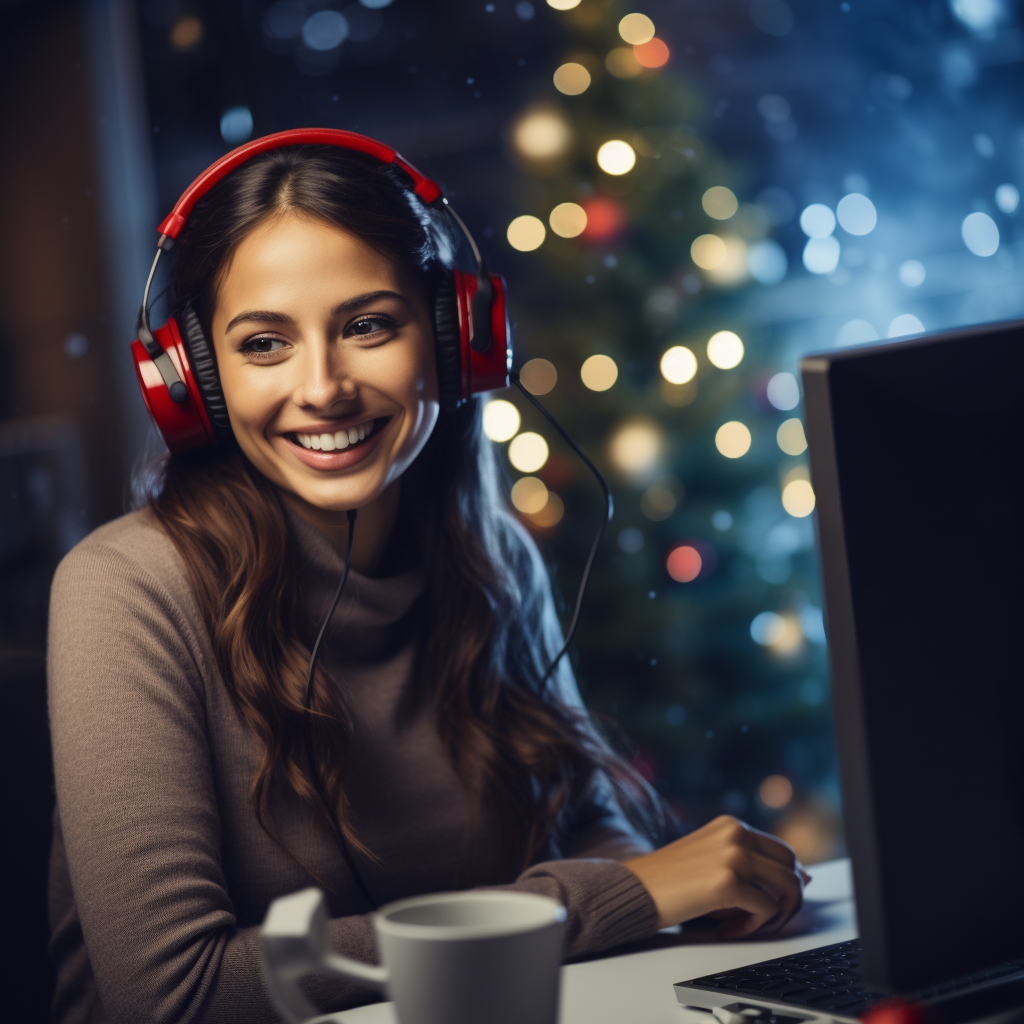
(324, 381)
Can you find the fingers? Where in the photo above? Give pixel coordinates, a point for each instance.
(764, 843)
(782, 883)
(755, 905)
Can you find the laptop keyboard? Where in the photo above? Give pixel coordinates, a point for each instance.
(829, 979)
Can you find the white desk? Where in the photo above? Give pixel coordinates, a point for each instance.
(636, 987)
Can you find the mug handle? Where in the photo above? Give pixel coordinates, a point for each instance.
(295, 940)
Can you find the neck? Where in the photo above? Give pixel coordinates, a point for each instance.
(374, 529)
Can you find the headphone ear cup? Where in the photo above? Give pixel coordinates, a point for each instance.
(204, 370)
(448, 338)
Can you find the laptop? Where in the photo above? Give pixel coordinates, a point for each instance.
(917, 458)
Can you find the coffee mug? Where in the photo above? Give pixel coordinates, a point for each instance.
(447, 958)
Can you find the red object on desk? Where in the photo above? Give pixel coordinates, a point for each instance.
(895, 1011)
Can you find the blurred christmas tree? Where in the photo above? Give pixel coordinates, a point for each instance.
(702, 633)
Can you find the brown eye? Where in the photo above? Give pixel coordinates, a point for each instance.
(372, 325)
(262, 346)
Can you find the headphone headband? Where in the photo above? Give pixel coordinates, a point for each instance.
(172, 224)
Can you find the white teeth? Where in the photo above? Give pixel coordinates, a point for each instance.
(314, 442)
(327, 443)
(353, 435)
(304, 440)
(338, 441)
(341, 439)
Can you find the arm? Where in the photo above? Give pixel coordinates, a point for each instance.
(138, 808)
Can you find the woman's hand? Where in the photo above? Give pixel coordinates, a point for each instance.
(744, 878)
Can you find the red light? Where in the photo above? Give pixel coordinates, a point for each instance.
(684, 564)
(652, 54)
(605, 219)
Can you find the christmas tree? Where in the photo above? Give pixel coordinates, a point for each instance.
(702, 629)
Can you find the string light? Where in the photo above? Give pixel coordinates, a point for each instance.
(635, 446)
(616, 157)
(791, 437)
(568, 220)
(541, 135)
(571, 79)
(529, 495)
(708, 251)
(599, 372)
(798, 498)
(678, 365)
(636, 29)
(500, 420)
(733, 439)
(720, 202)
(528, 452)
(526, 233)
(684, 563)
(538, 376)
(725, 350)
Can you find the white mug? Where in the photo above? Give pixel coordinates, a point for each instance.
(447, 958)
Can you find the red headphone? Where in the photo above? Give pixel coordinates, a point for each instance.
(175, 364)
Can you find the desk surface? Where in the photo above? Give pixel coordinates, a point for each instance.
(635, 986)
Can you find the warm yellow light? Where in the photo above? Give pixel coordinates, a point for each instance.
(186, 33)
(599, 373)
(733, 439)
(563, 5)
(678, 365)
(734, 268)
(791, 437)
(798, 498)
(551, 514)
(568, 220)
(635, 446)
(719, 202)
(529, 495)
(501, 419)
(526, 233)
(616, 157)
(636, 29)
(538, 376)
(775, 791)
(541, 135)
(708, 252)
(725, 350)
(788, 638)
(658, 502)
(622, 62)
(571, 79)
(528, 452)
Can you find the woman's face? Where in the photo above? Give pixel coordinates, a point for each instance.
(326, 357)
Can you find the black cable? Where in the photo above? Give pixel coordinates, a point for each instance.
(598, 537)
(314, 766)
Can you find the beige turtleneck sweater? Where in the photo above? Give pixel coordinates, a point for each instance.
(160, 873)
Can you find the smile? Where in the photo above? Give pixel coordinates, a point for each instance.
(340, 439)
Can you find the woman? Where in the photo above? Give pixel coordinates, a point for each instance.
(194, 786)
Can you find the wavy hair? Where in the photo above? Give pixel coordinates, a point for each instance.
(529, 755)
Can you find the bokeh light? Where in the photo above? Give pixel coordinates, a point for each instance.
(652, 54)
(605, 218)
(325, 30)
(857, 214)
(817, 221)
(980, 234)
(526, 233)
(599, 372)
(708, 251)
(678, 365)
(766, 628)
(912, 273)
(733, 268)
(551, 514)
(636, 29)
(529, 494)
(659, 501)
(571, 79)
(725, 350)
(616, 157)
(719, 202)
(186, 33)
(856, 332)
(561, 5)
(733, 439)
(776, 791)
(783, 391)
(500, 419)
(821, 255)
(684, 563)
(235, 125)
(635, 447)
(541, 135)
(767, 262)
(528, 452)
(622, 63)
(568, 220)
(538, 376)
(631, 540)
(791, 437)
(1007, 198)
(798, 498)
(905, 324)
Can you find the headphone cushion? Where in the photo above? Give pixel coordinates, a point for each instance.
(204, 370)
(448, 337)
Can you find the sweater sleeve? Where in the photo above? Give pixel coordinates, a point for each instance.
(138, 809)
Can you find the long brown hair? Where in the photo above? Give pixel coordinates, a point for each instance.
(530, 756)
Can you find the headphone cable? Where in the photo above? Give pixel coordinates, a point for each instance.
(314, 767)
(602, 526)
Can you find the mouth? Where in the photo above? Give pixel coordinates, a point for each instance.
(339, 440)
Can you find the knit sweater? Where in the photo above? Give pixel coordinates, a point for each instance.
(160, 872)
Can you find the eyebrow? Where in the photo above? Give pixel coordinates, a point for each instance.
(264, 316)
